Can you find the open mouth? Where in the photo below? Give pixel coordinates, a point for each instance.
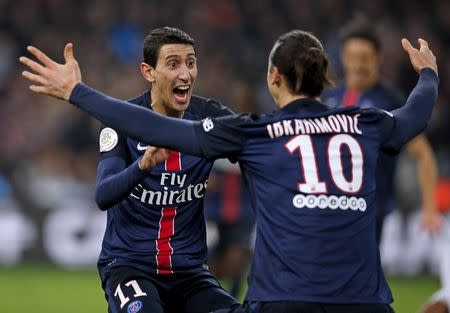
(181, 93)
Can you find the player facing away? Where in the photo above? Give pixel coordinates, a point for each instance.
(361, 60)
(310, 172)
(154, 253)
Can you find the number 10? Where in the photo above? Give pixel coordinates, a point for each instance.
(312, 182)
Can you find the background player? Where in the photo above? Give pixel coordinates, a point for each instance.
(227, 207)
(309, 230)
(362, 86)
(154, 251)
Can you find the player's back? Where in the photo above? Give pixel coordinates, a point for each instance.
(313, 189)
(385, 98)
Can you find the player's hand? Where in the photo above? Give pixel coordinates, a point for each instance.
(431, 221)
(51, 78)
(152, 157)
(421, 58)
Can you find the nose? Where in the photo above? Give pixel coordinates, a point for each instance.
(184, 74)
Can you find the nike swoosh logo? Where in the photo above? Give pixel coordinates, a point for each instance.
(141, 148)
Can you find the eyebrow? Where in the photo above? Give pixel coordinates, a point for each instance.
(178, 56)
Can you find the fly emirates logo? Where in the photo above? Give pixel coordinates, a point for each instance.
(170, 197)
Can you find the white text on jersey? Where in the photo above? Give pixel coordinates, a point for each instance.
(173, 179)
(169, 197)
(338, 123)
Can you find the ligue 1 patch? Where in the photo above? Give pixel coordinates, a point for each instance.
(108, 139)
(135, 306)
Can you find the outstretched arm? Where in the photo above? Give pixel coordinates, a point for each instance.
(411, 119)
(63, 81)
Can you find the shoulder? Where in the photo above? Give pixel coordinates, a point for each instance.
(203, 107)
(141, 100)
(373, 114)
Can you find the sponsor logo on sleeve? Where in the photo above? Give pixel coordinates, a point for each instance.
(208, 124)
(108, 139)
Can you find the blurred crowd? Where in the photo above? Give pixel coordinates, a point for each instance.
(49, 150)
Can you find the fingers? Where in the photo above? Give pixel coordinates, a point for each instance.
(407, 46)
(422, 43)
(39, 89)
(34, 78)
(68, 52)
(32, 65)
(150, 150)
(41, 56)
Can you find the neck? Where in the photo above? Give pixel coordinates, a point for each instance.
(163, 108)
(287, 98)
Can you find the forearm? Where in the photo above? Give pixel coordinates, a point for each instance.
(412, 118)
(421, 150)
(137, 122)
(427, 176)
(112, 188)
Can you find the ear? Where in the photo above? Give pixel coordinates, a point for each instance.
(274, 76)
(148, 72)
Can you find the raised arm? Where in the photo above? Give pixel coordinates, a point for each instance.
(411, 119)
(63, 81)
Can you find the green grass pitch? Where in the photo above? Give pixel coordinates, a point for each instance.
(42, 289)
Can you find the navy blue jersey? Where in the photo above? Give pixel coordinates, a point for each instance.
(384, 98)
(158, 227)
(310, 172)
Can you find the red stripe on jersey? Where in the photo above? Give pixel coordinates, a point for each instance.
(167, 223)
(173, 162)
(231, 197)
(351, 97)
(166, 230)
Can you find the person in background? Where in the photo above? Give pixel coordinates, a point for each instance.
(227, 207)
(363, 87)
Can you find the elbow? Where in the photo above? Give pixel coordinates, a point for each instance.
(102, 204)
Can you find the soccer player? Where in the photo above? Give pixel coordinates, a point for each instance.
(361, 60)
(154, 253)
(310, 171)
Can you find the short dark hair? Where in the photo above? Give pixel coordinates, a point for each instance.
(160, 37)
(300, 57)
(361, 28)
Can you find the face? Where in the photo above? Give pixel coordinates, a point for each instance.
(173, 77)
(361, 63)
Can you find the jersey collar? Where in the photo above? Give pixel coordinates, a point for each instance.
(308, 104)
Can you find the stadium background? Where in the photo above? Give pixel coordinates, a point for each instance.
(50, 229)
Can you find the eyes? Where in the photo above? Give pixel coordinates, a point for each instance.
(174, 64)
